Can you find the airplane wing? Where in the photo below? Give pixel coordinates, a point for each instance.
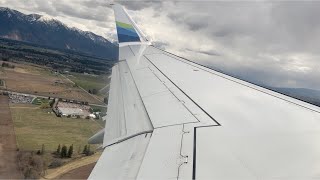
(170, 118)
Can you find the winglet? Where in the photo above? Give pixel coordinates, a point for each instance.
(126, 28)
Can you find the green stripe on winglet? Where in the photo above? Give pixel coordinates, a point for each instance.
(124, 25)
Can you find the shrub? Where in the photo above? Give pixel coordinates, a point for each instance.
(56, 163)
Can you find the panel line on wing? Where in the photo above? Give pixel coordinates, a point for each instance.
(162, 104)
(132, 51)
(181, 101)
(127, 113)
(183, 92)
(121, 87)
(194, 161)
(140, 97)
(182, 156)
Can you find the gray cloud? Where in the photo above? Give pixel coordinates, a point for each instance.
(138, 5)
(266, 42)
(160, 45)
(271, 43)
(209, 53)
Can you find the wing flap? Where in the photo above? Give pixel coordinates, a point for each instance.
(122, 160)
(162, 158)
(127, 115)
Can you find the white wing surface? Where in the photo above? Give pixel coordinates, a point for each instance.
(170, 118)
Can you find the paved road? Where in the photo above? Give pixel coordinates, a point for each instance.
(32, 95)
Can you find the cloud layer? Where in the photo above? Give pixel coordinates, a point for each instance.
(276, 44)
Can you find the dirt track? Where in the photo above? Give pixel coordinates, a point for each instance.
(78, 169)
(8, 154)
(79, 173)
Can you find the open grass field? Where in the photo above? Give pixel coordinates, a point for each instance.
(90, 81)
(39, 101)
(40, 81)
(34, 127)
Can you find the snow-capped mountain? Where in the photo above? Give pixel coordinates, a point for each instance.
(47, 31)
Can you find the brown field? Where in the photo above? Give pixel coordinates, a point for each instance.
(39, 81)
(8, 149)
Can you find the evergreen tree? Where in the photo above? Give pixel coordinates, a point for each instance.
(105, 100)
(70, 151)
(85, 149)
(64, 150)
(88, 150)
(42, 149)
(59, 149)
(94, 91)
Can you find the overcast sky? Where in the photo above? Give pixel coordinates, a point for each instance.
(276, 44)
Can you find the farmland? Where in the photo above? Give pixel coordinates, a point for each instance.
(88, 82)
(30, 128)
(26, 78)
(35, 126)
(40, 101)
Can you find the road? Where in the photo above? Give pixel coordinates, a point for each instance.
(32, 95)
(57, 172)
(8, 145)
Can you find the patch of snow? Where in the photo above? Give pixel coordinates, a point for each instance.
(5, 9)
(9, 11)
(48, 20)
(91, 36)
(45, 19)
(33, 17)
(51, 21)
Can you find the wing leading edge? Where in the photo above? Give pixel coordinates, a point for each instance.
(170, 118)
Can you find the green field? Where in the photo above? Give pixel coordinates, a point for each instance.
(35, 127)
(99, 109)
(89, 81)
(39, 101)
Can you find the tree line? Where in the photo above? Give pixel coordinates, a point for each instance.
(66, 152)
(7, 65)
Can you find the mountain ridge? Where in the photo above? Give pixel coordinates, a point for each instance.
(48, 31)
(308, 95)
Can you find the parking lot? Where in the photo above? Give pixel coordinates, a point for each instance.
(20, 99)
